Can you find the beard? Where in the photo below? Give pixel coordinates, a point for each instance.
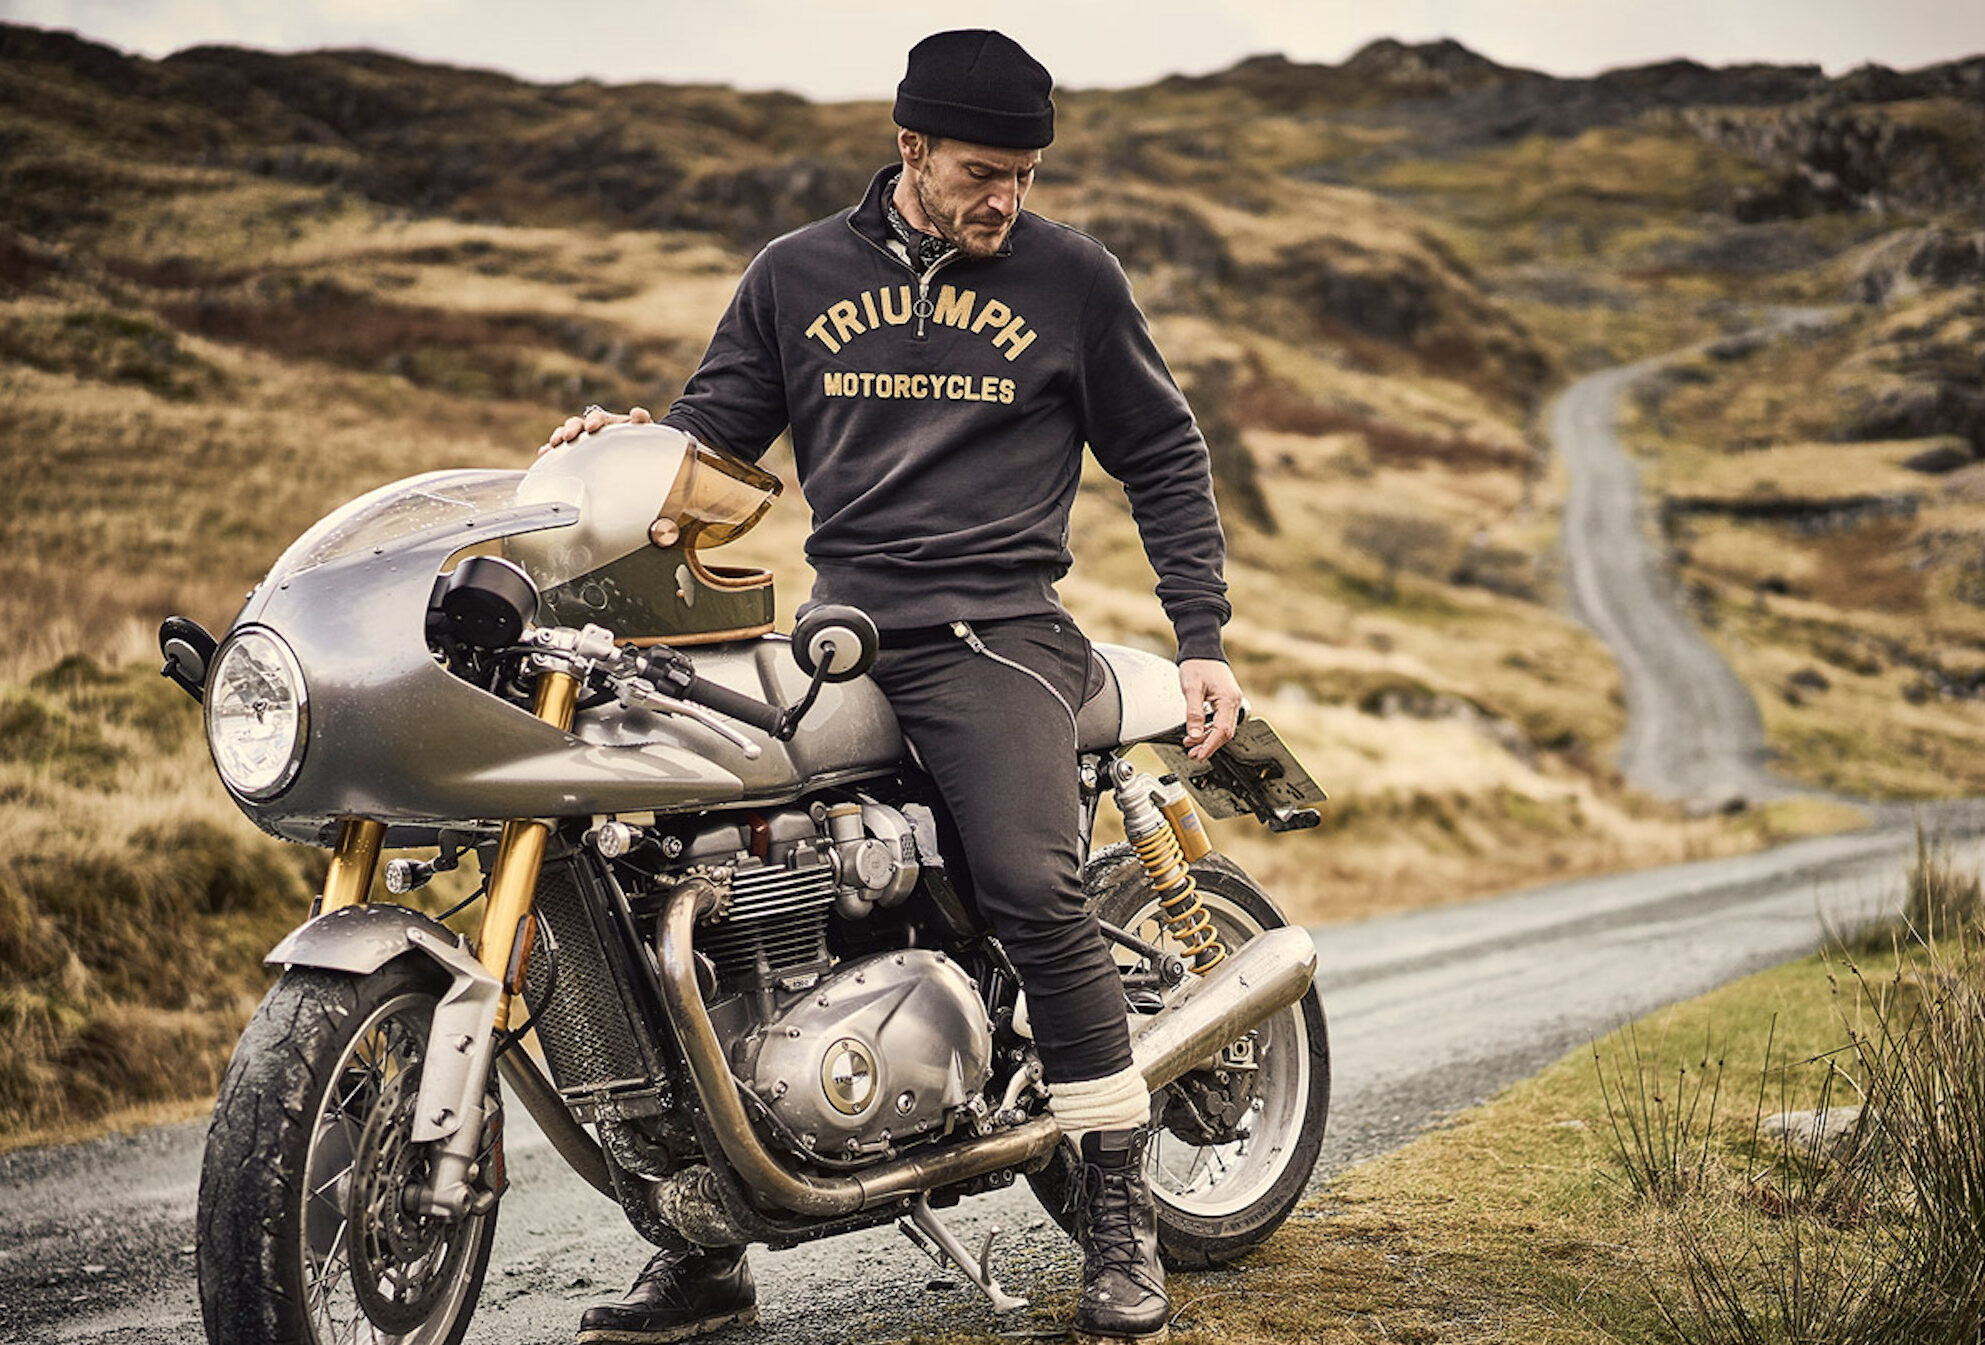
(978, 236)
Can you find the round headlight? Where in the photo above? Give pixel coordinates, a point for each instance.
(257, 714)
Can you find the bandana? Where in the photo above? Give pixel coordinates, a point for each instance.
(925, 250)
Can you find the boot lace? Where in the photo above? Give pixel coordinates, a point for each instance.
(1101, 1201)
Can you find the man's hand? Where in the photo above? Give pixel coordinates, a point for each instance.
(594, 418)
(1207, 682)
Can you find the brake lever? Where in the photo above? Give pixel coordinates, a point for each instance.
(634, 693)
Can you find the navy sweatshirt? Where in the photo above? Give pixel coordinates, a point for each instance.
(938, 421)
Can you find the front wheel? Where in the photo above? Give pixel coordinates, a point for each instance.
(1232, 1148)
(305, 1235)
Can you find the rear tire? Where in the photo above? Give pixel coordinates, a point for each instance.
(305, 1156)
(1207, 1217)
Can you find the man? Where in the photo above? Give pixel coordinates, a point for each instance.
(941, 358)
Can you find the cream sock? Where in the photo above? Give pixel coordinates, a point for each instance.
(1114, 1102)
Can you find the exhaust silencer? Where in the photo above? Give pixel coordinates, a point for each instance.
(1267, 974)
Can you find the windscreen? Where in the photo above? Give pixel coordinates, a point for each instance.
(400, 510)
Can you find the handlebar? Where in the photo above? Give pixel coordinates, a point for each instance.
(745, 709)
(641, 675)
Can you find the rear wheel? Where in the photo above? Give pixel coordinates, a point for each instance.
(305, 1234)
(1233, 1146)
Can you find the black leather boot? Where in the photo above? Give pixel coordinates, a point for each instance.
(683, 1292)
(1123, 1283)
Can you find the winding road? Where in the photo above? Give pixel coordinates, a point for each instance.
(1430, 1012)
(1693, 729)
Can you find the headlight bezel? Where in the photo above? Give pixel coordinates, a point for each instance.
(274, 654)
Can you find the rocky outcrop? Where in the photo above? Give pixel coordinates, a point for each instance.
(1911, 261)
(1425, 69)
(1380, 73)
(1835, 157)
(1921, 375)
(1209, 385)
(1416, 297)
(1923, 408)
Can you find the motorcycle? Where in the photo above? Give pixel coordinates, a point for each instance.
(727, 958)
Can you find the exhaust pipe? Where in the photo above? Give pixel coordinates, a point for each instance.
(1267, 975)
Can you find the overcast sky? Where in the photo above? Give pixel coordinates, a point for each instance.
(854, 48)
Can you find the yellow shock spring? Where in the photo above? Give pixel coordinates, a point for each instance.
(1185, 915)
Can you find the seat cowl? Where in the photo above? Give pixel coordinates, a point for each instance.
(1140, 701)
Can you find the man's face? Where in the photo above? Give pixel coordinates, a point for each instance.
(971, 194)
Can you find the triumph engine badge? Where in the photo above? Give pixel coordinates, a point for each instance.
(847, 1073)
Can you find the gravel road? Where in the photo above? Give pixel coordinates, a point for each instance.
(1692, 728)
(1430, 1012)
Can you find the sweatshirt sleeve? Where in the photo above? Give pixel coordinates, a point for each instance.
(736, 399)
(1139, 427)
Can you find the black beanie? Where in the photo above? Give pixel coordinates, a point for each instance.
(977, 85)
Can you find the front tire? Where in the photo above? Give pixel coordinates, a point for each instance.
(1216, 1200)
(302, 1238)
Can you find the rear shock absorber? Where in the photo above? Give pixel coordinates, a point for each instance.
(1157, 845)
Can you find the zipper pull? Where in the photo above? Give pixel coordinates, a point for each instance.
(971, 637)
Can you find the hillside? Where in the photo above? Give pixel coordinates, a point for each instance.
(237, 289)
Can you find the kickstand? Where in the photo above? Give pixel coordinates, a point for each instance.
(942, 1246)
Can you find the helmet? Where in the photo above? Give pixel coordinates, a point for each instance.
(650, 500)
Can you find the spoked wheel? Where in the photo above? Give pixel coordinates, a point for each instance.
(307, 1231)
(1233, 1145)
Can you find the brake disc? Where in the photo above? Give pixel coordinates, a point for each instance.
(403, 1264)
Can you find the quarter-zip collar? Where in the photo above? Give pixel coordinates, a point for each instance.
(870, 219)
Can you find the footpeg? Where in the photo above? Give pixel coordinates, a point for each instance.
(942, 1246)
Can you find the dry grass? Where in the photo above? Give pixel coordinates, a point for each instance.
(134, 904)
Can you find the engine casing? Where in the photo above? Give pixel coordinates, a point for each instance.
(883, 1050)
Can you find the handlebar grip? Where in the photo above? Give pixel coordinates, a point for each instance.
(735, 705)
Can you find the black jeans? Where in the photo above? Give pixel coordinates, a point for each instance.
(999, 742)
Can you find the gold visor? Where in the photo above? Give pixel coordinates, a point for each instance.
(716, 499)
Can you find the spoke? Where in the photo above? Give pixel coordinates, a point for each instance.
(353, 1131)
(1198, 1161)
(317, 1192)
(327, 1275)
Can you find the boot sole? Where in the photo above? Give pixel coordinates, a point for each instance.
(611, 1336)
(1157, 1337)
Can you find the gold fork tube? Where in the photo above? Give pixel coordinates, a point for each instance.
(354, 862)
(513, 880)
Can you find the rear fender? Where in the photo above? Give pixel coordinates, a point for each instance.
(358, 941)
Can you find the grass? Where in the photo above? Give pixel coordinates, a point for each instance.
(135, 904)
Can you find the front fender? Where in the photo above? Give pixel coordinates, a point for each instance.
(359, 940)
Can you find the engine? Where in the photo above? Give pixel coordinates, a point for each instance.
(850, 1058)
